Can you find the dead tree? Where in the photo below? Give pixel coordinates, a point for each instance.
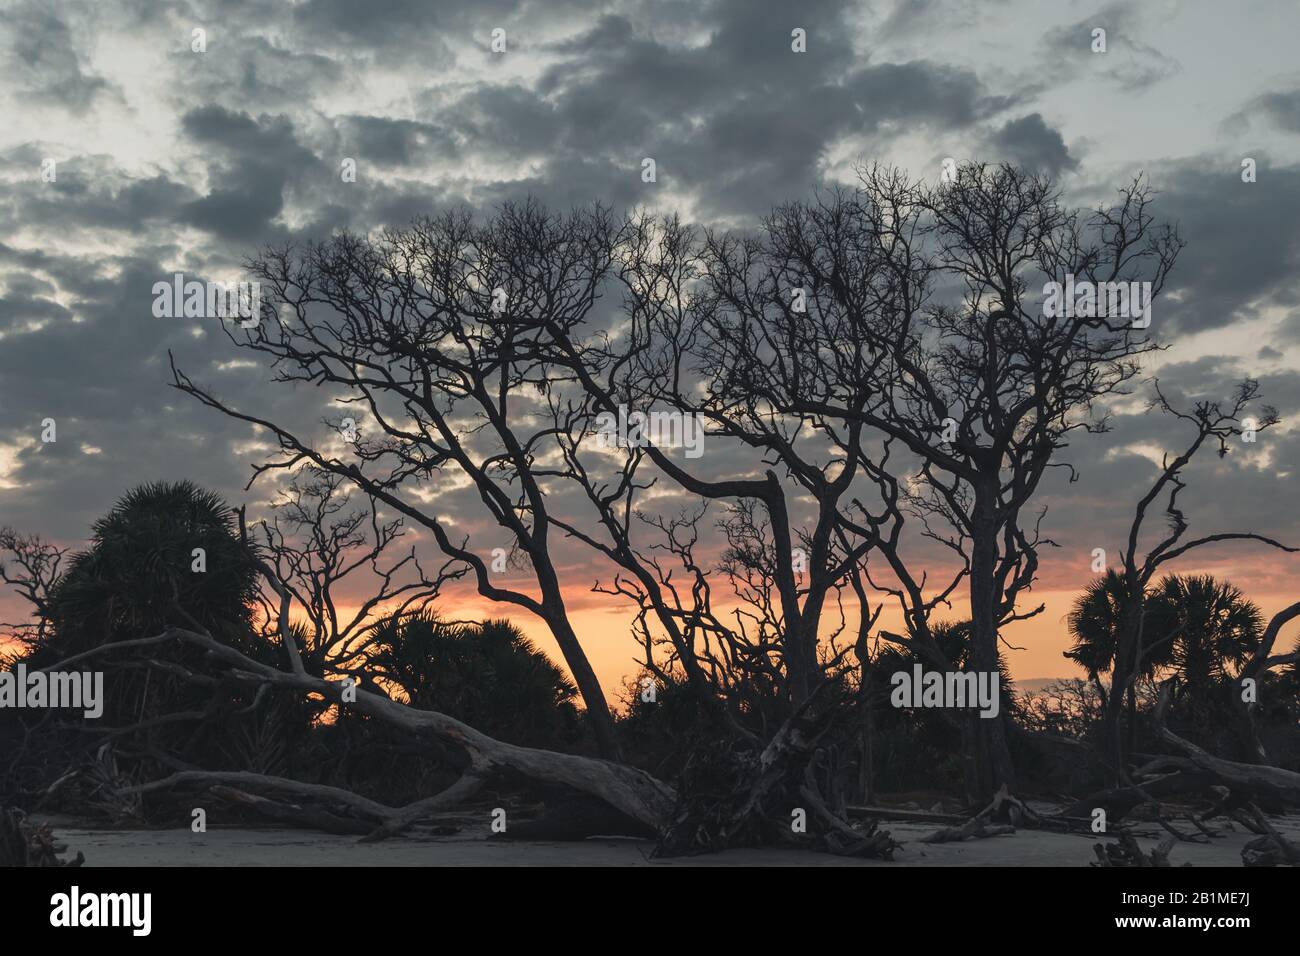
(862, 416)
(438, 335)
(986, 392)
(1250, 780)
(785, 562)
(31, 567)
(628, 790)
(1214, 424)
(1262, 661)
(826, 324)
(312, 545)
(461, 342)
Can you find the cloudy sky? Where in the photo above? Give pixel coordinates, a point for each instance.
(169, 159)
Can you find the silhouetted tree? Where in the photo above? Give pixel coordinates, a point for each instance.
(165, 555)
(1213, 424)
(489, 675)
(872, 410)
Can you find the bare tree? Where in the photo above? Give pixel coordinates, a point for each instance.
(313, 546)
(831, 318)
(471, 350)
(31, 566)
(1260, 663)
(875, 375)
(438, 333)
(1214, 424)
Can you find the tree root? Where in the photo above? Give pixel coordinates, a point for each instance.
(1127, 852)
(30, 844)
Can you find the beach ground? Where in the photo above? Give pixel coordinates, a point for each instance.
(222, 846)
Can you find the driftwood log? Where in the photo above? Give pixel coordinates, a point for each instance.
(629, 790)
(1276, 783)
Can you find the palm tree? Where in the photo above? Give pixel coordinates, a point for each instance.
(166, 554)
(487, 674)
(953, 641)
(140, 575)
(1198, 627)
(1094, 623)
(1214, 628)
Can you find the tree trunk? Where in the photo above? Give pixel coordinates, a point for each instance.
(1254, 779)
(1252, 745)
(992, 753)
(593, 696)
(974, 783)
(627, 789)
(754, 798)
(1127, 651)
(867, 769)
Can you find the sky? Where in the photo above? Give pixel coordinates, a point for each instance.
(167, 157)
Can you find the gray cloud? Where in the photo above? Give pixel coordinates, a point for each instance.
(1128, 62)
(40, 55)
(735, 120)
(1243, 252)
(1031, 143)
(1281, 108)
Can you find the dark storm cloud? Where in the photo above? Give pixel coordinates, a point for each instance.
(511, 119)
(100, 370)
(390, 142)
(735, 120)
(76, 276)
(740, 122)
(245, 71)
(89, 192)
(396, 23)
(421, 32)
(1243, 241)
(102, 379)
(908, 16)
(25, 302)
(911, 18)
(263, 157)
(1281, 108)
(1031, 143)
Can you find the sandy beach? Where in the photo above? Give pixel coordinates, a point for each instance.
(277, 847)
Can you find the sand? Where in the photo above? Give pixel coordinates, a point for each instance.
(222, 846)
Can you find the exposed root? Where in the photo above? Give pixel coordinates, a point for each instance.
(1127, 852)
(30, 844)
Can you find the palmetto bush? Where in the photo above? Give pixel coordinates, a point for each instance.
(487, 674)
(136, 578)
(1195, 627)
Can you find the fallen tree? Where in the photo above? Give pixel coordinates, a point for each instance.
(631, 791)
(1253, 780)
(780, 781)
